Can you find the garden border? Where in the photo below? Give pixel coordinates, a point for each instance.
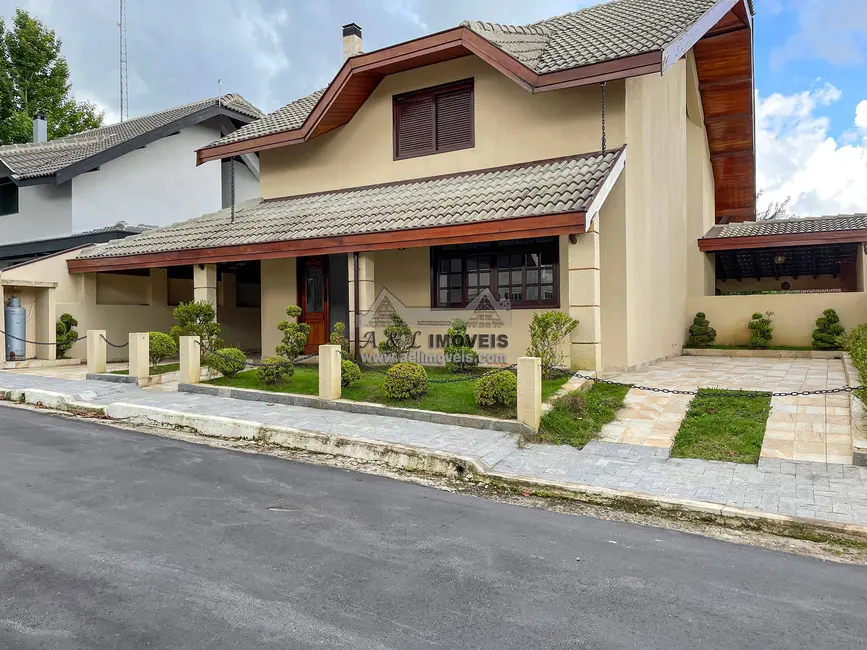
(767, 354)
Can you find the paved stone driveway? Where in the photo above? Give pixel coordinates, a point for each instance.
(799, 428)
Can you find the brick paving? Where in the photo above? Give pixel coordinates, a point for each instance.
(826, 491)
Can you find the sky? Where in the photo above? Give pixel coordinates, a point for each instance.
(810, 61)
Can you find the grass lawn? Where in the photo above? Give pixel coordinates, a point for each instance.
(458, 397)
(723, 425)
(155, 370)
(560, 426)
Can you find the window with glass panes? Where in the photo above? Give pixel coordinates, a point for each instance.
(523, 272)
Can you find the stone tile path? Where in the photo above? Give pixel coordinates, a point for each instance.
(825, 491)
(815, 428)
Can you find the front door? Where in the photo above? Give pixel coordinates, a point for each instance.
(313, 290)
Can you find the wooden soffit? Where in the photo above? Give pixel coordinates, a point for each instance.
(517, 228)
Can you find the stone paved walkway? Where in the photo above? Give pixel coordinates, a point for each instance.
(815, 428)
(825, 491)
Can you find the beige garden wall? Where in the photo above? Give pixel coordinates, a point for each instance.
(794, 314)
(511, 126)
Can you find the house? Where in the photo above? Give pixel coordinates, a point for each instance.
(140, 171)
(586, 163)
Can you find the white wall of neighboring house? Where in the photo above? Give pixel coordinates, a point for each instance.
(246, 183)
(44, 211)
(158, 185)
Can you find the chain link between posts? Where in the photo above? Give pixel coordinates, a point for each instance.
(18, 338)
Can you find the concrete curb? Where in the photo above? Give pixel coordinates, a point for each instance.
(367, 408)
(418, 459)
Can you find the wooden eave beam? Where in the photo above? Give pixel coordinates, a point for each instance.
(517, 228)
(712, 244)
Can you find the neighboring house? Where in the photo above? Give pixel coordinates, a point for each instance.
(140, 171)
(493, 172)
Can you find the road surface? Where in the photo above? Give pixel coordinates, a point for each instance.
(118, 539)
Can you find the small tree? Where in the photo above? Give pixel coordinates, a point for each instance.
(294, 335)
(398, 339)
(547, 330)
(761, 330)
(460, 356)
(66, 334)
(701, 334)
(828, 334)
(161, 346)
(338, 337)
(198, 319)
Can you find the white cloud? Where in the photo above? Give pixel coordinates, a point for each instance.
(798, 159)
(832, 30)
(111, 115)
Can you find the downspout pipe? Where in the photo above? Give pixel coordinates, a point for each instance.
(355, 324)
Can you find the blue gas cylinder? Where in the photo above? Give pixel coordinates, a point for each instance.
(16, 330)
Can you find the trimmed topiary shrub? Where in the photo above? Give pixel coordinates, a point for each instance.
(459, 353)
(498, 389)
(161, 347)
(701, 334)
(294, 335)
(66, 334)
(547, 330)
(227, 361)
(338, 337)
(398, 339)
(828, 334)
(349, 372)
(405, 380)
(198, 319)
(274, 371)
(761, 330)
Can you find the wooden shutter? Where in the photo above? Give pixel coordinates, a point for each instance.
(454, 119)
(415, 127)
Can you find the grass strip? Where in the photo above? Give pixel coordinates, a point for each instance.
(154, 370)
(563, 425)
(723, 425)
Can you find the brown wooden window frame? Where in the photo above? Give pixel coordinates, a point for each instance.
(463, 263)
(431, 95)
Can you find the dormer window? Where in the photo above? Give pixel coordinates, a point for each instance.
(434, 120)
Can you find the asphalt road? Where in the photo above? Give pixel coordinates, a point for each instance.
(120, 539)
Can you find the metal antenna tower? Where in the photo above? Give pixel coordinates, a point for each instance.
(124, 90)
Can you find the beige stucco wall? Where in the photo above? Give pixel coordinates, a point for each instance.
(794, 315)
(77, 294)
(511, 126)
(279, 290)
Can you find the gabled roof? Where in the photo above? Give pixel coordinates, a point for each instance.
(612, 40)
(542, 198)
(786, 232)
(59, 160)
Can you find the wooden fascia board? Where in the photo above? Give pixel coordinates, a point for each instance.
(685, 42)
(516, 228)
(713, 244)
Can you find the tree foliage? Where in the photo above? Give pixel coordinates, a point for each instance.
(701, 334)
(294, 335)
(459, 353)
(547, 330)
(198, 319)
(34, 78)
(761, 330)
(398, 339)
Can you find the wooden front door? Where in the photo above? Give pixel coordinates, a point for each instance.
(313, 290)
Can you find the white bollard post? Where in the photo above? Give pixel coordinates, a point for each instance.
(191, 359)
(329, 371)
(530, 391)
(139, 355)
(95, 352)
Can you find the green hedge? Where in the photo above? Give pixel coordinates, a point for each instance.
(856, 344)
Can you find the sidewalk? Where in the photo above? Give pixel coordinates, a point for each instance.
(821, 491)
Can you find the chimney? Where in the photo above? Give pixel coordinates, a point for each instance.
(351, 40)
(40, 128)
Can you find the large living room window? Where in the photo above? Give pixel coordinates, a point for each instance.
(524, 272)
(8, 197)
(434, 120)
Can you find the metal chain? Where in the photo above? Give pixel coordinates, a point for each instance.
(17, 338)
(232, 186)
(252, 364)
(114, 345)
(604, 139)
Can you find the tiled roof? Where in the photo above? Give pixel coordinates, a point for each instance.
(791, 226)
(603, 32)
(548, 187)
(34, 159)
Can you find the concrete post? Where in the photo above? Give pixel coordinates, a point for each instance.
(139, 355)
(366, 296)
(95, 352)
(329, 371)
(584, 301)
(530, 391)
(191, 359)
(205, 283)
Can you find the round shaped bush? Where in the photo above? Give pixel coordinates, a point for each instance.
(499, 389)
(162, 346)
(227, 361)
(275, 370)
(349, 372)
(405, 380)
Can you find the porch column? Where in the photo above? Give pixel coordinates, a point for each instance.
(3, 323)
(584, 301)
(205, 283)
(46, 323)
(366, 297)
